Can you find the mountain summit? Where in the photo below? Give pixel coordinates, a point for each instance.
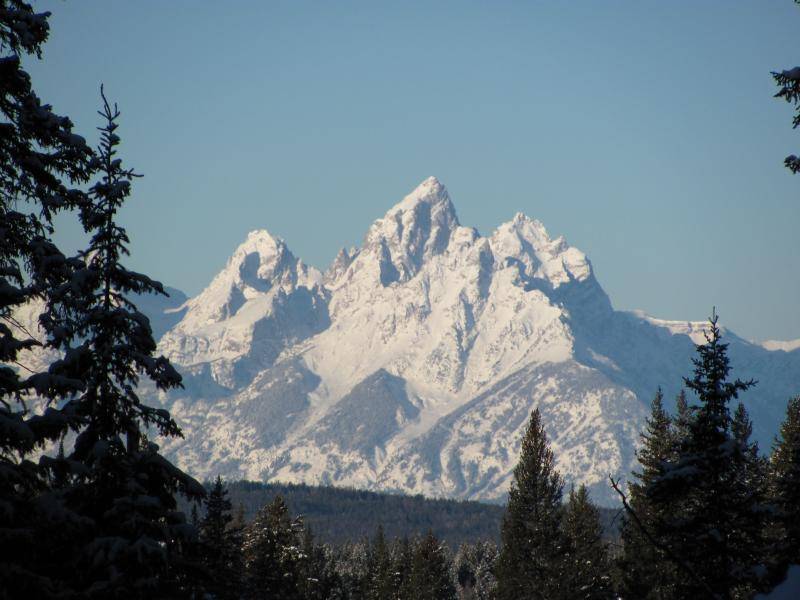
(264, 299)
(414, 362)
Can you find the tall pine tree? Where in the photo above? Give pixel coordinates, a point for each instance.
(42, 163)
(272, 555)
(125, 488)
(379, 583)
(587, 571)
(784, 488)
(474, 567)
(645, 572)
(788, 82)
(318, 578)
(711, 522)
(402, 562)
(220, 544)
(531, 555)
(430, 571)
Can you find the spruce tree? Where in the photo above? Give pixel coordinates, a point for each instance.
(749, 502)
(42, 165)
(379, 583)
(532, 550)
(683, 416)
(711, 521)
(474, 568)
(784, 488)
(755, 467)
(645, 572)
(351, 567)
(271, 549)
(402, 562)
(220, 545)
(430, 571)
(587, 571)
(125, 488)
(788, 82)
(318, 578)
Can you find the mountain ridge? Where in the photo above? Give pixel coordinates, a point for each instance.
(412, 362)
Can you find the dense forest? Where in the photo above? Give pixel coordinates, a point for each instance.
(346, 515)
(89, 506)
(338, 515)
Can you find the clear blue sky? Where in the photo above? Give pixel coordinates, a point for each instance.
(645, 132)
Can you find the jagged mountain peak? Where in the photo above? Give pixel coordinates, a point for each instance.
(413, 230)
(258, 259)
(260, 278)
(344, 258)
(430, 191)
(524, 242)
(262, 261)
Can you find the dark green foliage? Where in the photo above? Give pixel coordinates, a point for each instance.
(430, 571)
(784, 487)
(338, 515)
(351, 562)
(41, 159)
(318, 577)
(683, 416)
(586, 569)
(221, 545)
(532, 550)
(272, 554)
(788, 82)
(402, 564)
(124, 489)
(713, 516)
(474, 570)
(380, 581)
(645, 573)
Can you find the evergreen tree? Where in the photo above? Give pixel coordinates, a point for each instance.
(474, 570)
(220, 544)
(683, 416)
(239, 522)
(126, 489)
(532, 549)
(318, 578)
(272, 557)
(41, 159)
(754, 466)
(379, 583)
(711, 521)
(784, 487)
(402, 563)
(645, 572)
(749, 503)
(430, 571)
(351, 561)
(587, 569)
(789, 83)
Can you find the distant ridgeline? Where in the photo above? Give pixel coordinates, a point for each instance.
(338, 515)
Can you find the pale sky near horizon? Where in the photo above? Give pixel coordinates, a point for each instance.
(645, 132)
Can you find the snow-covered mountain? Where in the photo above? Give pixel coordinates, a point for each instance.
(413, 362)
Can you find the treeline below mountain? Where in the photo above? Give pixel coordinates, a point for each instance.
(340, 515)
